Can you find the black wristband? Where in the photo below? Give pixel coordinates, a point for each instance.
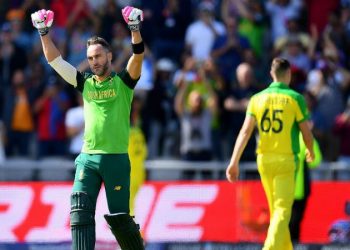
(134, 27)
(138, 48)
(43, 31)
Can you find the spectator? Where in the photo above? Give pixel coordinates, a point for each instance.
(187, 72)
(219, 86)
(59, 31)
(50, 109)
(108, 19)
(331, 62)
(319, 11)
(123, 3)
(75, 124)
(11, 59)
(252, 21)
(160, 110)
(259, 68)
(329, 104)
(236, 104)
(316, 118)
(228, 49)
(342, 130)
(294, 31)
(194, 74)
(151, 10)
(18, 116)
(28, 6)
(77, 48)
(2, 141)
(5, 6)
(36, 79)
(97, 5)
(195, 119)
(80, 24)
(19, 36)
(279, 10)
(120, 43)
(201, 34)
(336, 33)
(345, 19)
(330, 94)
(170, 29)
(295, 53)
(229, 8)
(80, 10)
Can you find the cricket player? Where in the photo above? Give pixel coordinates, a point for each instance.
(137, 154)
(104, 157)
(279, 114)
(302, 187)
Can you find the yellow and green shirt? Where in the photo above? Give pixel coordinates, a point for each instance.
(278, 109)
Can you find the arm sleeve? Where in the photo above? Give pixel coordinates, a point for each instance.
(65, 70)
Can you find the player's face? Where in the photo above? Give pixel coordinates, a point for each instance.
(99, 59)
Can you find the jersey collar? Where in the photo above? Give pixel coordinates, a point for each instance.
(278, 85)
(106, 79)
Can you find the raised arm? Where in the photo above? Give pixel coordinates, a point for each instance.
(49, 48)
(133, 17)
(134, 65)
(42, 20)
(180, 99)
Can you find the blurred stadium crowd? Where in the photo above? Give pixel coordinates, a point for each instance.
(204, 60)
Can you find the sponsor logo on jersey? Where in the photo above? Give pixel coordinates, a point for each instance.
(101, 94)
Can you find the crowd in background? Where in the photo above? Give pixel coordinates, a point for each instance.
(204, 59)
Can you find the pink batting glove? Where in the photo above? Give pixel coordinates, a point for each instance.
(133, 17)
(42, 20)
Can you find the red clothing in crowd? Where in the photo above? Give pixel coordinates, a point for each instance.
(342, 129)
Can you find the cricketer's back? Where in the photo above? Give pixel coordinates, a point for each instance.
(278, 109)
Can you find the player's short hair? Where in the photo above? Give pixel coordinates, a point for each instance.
(99, 40)
(279, 66)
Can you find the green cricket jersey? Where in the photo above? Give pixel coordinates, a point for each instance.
(107, 107)
(278, 110)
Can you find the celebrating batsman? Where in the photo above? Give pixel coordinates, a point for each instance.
(107, 102)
